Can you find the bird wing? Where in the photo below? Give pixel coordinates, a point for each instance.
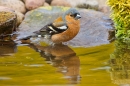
(60, 23)
(58, 26)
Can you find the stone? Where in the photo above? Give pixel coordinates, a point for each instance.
(17, 5)
(8, 22)
(88, 4)
(20, 17)
(95, 26)
(102, 2)
(48, 1)
(7, 9)
(60, 3)
(33, 4)
(104, 9)
(46, 4)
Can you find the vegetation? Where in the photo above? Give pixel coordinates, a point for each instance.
(120, 59)
(121, 17)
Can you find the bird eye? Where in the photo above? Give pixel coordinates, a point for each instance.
(71, 15)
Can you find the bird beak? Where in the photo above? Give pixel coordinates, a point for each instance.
(77, 16)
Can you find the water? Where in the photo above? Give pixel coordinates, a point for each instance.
(58, 65)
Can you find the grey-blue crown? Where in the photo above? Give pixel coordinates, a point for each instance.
(71, 11)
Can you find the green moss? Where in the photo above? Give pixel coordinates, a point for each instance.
(120, 59)
(121, 17)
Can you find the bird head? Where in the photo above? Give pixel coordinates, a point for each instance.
(72, 12)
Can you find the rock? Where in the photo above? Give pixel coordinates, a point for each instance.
(102, 2)
(20, 17)
(88, 4)
(46, 4)
(111, 36)
(48, 1)
(104, 9)
(91, 4)
(60, 3)
(7, 22)
(94, 30)
(33, 4)
(17, 5)
(7, 9)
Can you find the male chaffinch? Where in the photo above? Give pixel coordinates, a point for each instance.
(63, 28)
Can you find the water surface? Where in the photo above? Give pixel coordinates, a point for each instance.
(58, 65)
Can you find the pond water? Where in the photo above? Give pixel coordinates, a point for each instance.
(58, 65)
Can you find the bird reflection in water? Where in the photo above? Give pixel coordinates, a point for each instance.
(62, 57)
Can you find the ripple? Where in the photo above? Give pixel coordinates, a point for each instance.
(34, 65)
(101, 68)
(5, 78)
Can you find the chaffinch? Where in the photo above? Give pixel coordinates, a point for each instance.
(63, 29)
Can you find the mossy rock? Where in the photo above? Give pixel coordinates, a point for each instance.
(7, 22)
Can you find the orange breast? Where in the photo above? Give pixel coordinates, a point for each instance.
(70, 33)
